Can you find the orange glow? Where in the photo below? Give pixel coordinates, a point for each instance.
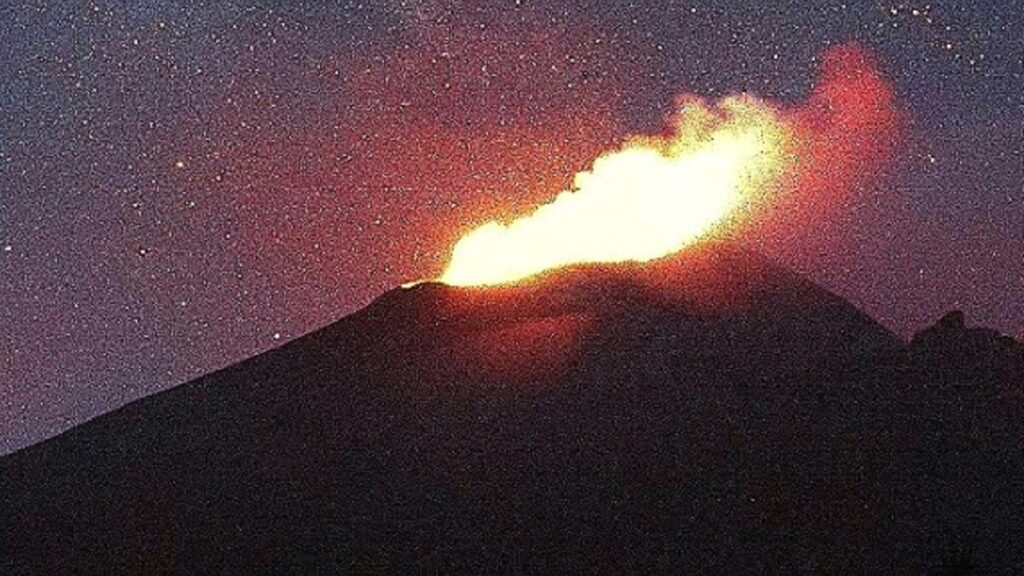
(650, 198)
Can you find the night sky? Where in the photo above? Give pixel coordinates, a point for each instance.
(185, 184)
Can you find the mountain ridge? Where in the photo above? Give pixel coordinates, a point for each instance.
(683, 413)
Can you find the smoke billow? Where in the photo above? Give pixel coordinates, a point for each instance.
(719, 164)
(848, 128)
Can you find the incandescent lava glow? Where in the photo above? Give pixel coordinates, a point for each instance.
(650, 198)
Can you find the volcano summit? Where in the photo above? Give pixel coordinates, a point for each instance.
(708, 413)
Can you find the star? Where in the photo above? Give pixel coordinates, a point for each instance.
(280, 164)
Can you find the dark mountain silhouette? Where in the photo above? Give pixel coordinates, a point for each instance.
(711, 413)
(950, 352)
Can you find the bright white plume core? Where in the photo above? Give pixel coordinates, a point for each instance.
(648, 199)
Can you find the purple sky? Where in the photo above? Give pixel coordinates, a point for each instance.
(184, 184)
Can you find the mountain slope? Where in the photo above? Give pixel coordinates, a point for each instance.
(708, 413)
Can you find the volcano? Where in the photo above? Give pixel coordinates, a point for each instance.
(708, 413)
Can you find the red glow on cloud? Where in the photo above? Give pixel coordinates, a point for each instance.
(850, 123)
(720, 164)
(849, 130)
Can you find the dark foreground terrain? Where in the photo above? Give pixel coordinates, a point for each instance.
(707, 414)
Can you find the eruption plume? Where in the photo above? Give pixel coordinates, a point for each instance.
(719, 163)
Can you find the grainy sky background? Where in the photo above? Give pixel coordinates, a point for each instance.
(184, 184)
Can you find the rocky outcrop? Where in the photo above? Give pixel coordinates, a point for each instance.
(952, 352)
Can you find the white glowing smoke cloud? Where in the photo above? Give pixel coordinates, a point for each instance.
(648, 199)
